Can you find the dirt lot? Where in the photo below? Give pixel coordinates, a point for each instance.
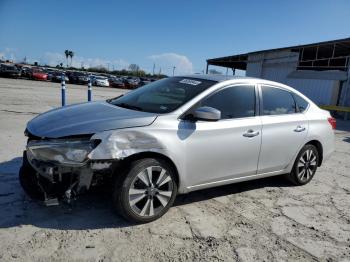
(266, 220)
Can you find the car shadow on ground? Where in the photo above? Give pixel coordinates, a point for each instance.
(346, 139)
(227, 190)
(93, 210)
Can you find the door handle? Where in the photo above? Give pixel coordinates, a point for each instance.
(299, 129)
(251, 133)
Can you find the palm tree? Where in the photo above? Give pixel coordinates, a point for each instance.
(67, 54)
(71, 54)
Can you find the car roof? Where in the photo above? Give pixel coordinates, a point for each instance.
(222, 78)
(217, 78)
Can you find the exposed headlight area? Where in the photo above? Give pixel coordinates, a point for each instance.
(66, 152)
(62, 168)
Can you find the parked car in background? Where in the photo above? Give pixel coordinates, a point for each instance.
(50, 72)
(38, 74)
(116, 82)
(131, 82)
(57, 77)
(26, 72)
(78, 78)
(144, 81)
(100, 81)
(7, 70)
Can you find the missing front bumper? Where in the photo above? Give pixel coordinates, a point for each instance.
(57, 182)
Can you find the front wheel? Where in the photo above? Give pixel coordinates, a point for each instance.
(29, 182)
(146, 192)
(305, 165)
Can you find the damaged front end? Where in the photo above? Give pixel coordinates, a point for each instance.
(60, 168)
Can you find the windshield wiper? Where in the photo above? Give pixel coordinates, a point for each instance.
(124, 105)
(111, 99)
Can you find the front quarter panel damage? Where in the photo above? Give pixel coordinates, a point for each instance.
(119, 144)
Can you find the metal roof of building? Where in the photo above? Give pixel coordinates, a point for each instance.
(240, 61)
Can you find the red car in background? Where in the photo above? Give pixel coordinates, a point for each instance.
(39, 74)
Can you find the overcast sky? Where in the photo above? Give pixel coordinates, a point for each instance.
(165, 33)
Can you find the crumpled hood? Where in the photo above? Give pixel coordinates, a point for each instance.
(86, 118)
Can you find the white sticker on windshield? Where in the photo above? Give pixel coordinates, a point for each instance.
(190, 82)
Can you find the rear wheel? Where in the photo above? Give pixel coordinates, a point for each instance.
(146, 192)
(305, 165)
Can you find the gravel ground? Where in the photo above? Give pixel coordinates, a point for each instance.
(265, 220)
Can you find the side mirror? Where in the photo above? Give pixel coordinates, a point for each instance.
(207, 113)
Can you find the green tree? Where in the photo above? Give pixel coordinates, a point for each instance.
(71, 54)
(67, 54)
(141, 73)
(134, 68)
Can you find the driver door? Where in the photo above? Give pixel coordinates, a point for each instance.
(228, 148)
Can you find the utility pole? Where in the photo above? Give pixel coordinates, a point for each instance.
(174, 70)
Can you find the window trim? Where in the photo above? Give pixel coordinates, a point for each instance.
(308, 103)
(256, 104)
(276, 87)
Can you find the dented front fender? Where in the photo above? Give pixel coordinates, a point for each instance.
(119, 144)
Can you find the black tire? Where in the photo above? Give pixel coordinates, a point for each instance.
(29, 182)
(302, 173)
(131, 178)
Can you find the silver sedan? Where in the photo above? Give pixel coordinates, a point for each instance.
(174, 136)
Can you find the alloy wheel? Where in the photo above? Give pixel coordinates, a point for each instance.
(307, 165)
(150, 191)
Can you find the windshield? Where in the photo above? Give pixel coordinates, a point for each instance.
(163, 96)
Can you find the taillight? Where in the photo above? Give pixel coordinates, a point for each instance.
(332, 122)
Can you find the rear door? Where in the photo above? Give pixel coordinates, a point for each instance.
(284, 129)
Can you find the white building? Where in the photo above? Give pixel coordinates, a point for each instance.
(321, 71)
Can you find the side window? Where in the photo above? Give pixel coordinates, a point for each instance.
(277, 101)
(302, 104)
(233, 102)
